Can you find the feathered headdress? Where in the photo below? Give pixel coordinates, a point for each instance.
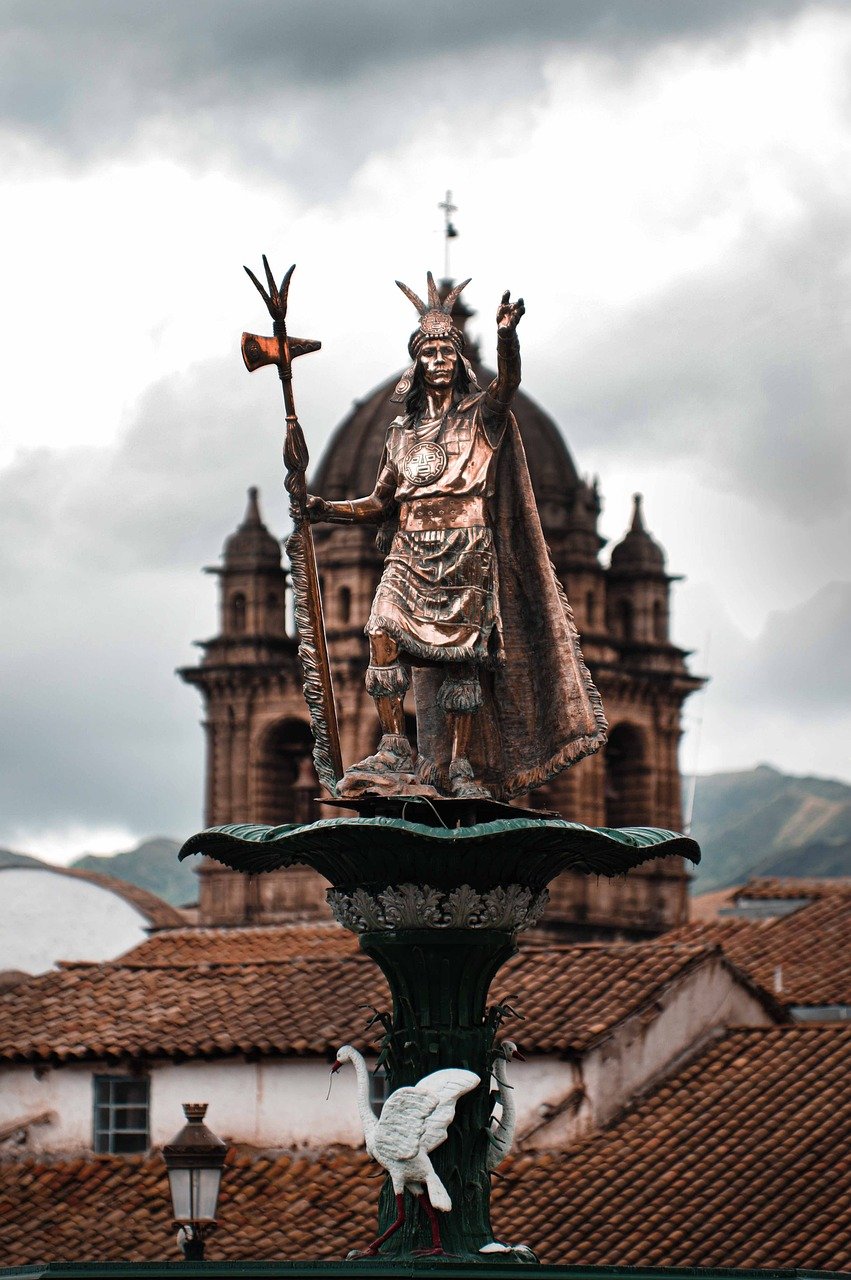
(435, 322)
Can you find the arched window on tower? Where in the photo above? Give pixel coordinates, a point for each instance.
(273, 611)
(626, 619)
(628, 778)
(660, 621)
(590, 609)
(345, 603)
(283, 782)
(237, 612)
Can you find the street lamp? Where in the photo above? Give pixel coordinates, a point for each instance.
(194, 1161)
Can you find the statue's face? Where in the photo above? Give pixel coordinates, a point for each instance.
(437, 361)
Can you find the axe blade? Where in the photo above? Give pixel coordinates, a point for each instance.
(258, 351)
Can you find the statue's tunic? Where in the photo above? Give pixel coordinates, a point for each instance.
(439, 592)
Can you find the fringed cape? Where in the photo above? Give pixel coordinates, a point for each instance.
(541, 709)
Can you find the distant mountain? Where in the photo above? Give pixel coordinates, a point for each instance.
(8, 858)
(763, 822)
(152, 865)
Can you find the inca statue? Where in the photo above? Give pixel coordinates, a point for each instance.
(468, 607)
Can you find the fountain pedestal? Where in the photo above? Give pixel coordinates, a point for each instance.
(438, 904)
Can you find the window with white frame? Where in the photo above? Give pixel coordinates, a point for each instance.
(121, 1108)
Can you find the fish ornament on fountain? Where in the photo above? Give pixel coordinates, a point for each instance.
(429, 864)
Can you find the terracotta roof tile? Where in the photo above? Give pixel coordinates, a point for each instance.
(571, 996)
(806, 954)
(299, 1006)
(739, 1160)
(778, 888)
(262, 945)
(307, 1003)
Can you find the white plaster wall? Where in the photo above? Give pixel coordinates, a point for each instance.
(643, 1049)
(48, 917)
(267, 1104)
(264, 1104)
(65, 1092)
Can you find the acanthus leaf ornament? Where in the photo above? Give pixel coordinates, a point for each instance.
(412, 906)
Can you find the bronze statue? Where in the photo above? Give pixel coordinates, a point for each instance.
(468, 600)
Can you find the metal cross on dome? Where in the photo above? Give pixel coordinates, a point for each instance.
(449, 230)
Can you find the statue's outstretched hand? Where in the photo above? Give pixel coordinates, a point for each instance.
(317, 508)
(509, 314)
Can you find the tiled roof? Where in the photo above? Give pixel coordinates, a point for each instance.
(267, 945)
(740, 1160)
(571, 996)
(803, 958)
(308, 1004)
(786, 887)
(302, 1006)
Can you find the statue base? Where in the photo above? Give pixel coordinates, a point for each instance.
(437, 891)
(436, 811)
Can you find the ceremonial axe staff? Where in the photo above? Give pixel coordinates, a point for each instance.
(281, 350)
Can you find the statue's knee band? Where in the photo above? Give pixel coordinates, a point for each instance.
(460, 694)
(387, 682)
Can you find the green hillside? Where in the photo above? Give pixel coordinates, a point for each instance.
(8, 858)
(763, 822)
(152, 865)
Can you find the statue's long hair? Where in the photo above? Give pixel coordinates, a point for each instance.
(415, 401)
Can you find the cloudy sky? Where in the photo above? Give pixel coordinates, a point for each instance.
(667, 182)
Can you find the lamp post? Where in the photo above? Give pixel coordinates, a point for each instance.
(194, 1160)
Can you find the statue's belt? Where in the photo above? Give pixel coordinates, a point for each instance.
(443, 512)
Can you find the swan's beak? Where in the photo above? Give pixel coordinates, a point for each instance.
(521, 1057)
(336, 1068)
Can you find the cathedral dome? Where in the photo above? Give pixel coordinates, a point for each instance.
(252, 546)
(349, 465)
(638, 552)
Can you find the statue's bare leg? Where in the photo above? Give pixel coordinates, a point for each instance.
(460, 697)
(387, 682)
(384, 655)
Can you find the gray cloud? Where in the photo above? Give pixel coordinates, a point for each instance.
(801, 662)
(100, 558)
(86, 74)
(783, 697)
(740, 373)
(743, 369)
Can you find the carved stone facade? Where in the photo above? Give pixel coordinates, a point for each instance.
(258, 741)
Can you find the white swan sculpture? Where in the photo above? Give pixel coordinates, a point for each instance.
(414, 1120)
(503, 1140)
